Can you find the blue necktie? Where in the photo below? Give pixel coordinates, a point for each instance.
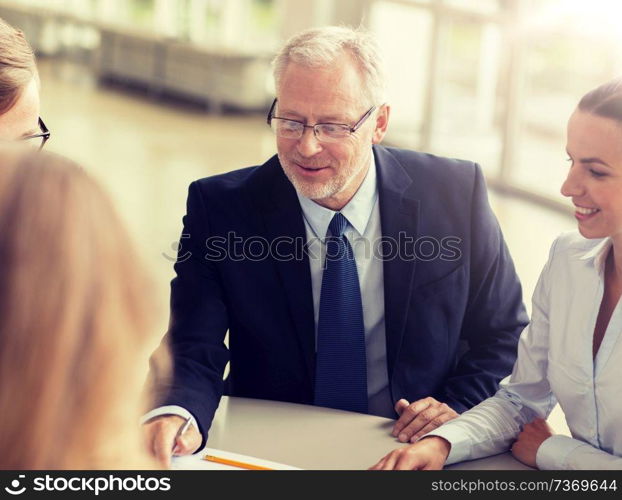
(341, 366)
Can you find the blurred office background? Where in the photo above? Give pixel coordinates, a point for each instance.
(152, 94)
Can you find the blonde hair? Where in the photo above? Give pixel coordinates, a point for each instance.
(17, 65)
(75, 321)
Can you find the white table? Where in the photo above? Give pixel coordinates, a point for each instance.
(310, 437)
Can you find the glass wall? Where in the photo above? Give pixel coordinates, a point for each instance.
(241, 24)
(493, 81)
(405, 34)
(567, 48)
(466, 113)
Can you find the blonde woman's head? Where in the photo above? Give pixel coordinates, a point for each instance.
(75, 321)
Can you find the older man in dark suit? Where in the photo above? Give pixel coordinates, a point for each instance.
(348, 275)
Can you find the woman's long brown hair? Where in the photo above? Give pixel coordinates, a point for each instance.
(75, 321)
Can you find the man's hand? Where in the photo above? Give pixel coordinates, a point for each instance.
(160, 437)
(525, 448)
(428, 454)
(419, 418)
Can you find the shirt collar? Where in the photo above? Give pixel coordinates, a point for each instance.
(598, 254)
(357, 211)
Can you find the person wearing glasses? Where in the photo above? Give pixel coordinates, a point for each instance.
(19, 91)
(348, 275)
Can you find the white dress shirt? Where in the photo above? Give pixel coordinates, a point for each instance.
(364, 234)
(555, 365)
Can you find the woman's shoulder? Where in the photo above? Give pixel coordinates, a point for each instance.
(571, 244)
(567, 261)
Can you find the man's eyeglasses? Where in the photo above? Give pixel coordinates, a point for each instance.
(324, 132)
(38, 140)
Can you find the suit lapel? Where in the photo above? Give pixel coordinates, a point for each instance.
(278, 207)
(399, 213)
(282, 217)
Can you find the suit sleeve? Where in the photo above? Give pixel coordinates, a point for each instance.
(495, 314)
(198, 323)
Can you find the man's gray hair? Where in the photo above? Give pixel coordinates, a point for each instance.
(320, 47)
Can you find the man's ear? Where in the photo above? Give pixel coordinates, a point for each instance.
(382, 122)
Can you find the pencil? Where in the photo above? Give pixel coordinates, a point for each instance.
(180, 432)
(185, 427)
(234, 463)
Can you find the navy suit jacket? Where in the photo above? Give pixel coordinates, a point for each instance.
(452, 317)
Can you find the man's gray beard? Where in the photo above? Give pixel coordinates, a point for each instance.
(311, 190)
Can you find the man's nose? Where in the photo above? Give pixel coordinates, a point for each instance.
(308, 145)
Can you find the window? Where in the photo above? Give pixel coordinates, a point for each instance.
(495, 80)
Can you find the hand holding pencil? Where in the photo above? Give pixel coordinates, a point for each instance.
(178, 436)
(171, 435)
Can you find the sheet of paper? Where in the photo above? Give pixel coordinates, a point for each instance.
(196, 461)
